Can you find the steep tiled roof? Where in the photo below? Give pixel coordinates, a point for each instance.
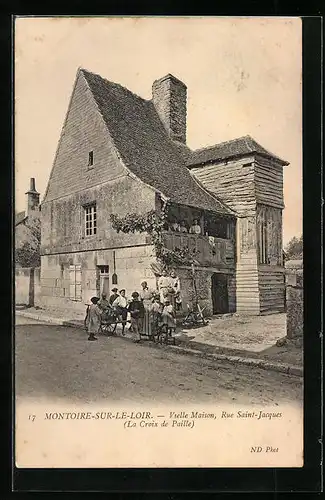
(234, 148)
(144, 146)
(19, 218)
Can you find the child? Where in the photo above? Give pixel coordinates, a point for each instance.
(156, 310)
(168, 315)
(136, 310)
(93, 319)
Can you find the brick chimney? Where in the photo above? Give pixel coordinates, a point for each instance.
(169, 97)
(32, 198)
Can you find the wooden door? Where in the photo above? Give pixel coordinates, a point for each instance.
(104, 285)
(219, 293)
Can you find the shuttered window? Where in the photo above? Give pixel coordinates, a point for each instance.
(75, 283)
(90, 220)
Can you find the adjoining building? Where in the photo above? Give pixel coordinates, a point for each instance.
(28, 230)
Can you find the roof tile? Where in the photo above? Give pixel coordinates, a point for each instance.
(145, 147)
(224, 150)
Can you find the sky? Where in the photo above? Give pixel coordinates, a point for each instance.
(243, 76)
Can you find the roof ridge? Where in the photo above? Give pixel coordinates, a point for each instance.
(110, 82)
(221, 143)
(249, 146)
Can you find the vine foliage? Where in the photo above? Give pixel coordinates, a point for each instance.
(153, 224)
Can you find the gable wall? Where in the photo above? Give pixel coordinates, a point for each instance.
(232, 182)
(83, 131)
(268, 183)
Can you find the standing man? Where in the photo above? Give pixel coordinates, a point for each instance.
(120, 304)
(113, 296)
(136, 310)
(176, 285)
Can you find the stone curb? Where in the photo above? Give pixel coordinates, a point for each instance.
(40, 317)
(258, 363)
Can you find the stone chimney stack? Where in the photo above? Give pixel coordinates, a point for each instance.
(32, 198)
(169, 98)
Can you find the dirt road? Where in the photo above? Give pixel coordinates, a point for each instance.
(58, 362)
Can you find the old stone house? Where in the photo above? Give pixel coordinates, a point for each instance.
(120, 154)
(28, 230)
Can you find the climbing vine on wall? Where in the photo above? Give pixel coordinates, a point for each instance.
(153, 224)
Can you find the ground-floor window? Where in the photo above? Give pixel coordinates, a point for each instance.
(75, 292)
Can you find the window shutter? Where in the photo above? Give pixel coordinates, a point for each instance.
(75, 292)
(72, 278)
(78, 293)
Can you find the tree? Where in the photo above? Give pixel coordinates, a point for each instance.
(294, 248)
(27, 253)
(28, 256)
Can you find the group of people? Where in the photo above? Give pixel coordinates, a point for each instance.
(148, 310)
(180, 227)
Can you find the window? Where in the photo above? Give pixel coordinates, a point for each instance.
(103, 280)
(75, 283)
(90, 159)
(90, 220)
(103, 269)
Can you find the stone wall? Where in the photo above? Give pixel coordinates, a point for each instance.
(203, 287)
(130, 264)
(27, 286)
(63, 223)
(294, 298)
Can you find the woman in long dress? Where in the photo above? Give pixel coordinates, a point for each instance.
(93, 319)
(164, 286)
(155, 314)
(146, 296)
(175, 298)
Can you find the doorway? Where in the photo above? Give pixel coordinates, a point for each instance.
(102, 280)
(219, 293)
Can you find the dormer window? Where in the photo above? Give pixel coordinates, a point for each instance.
(90, 159)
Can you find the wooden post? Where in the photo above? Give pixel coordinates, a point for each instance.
(202, 225)
(194, 286)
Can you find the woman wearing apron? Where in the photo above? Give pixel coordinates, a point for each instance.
(164, 285)
(146, 296)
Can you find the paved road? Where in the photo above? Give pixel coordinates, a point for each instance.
(58, 362)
